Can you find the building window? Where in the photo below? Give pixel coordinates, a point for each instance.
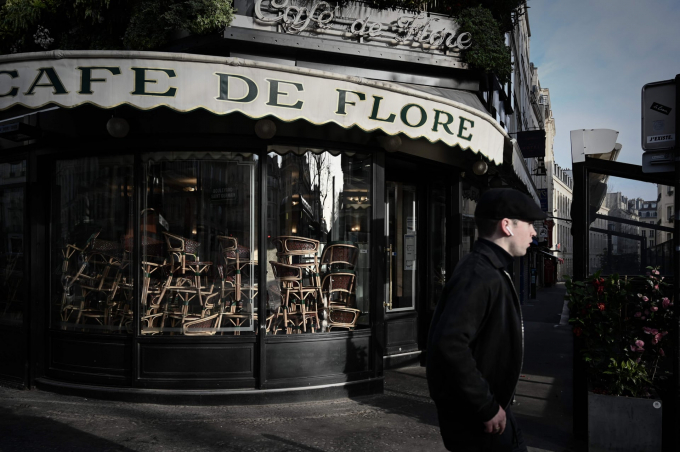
(92, 229)
(324, 208)
(199, 244)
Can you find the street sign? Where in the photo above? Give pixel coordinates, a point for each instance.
(532, 143)
(543, 197)
(658, 162)
(658, 116)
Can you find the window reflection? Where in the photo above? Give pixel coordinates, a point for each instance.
(92, 216)
(627, 234)
(199, 245)
(318, 229)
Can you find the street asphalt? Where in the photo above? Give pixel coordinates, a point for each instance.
(401, 419)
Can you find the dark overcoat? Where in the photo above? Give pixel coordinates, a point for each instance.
(476, 340)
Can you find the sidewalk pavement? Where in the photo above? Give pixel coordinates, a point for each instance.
(401, 419)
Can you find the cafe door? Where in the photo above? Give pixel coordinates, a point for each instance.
(416, 244)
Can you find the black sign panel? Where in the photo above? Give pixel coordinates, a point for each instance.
(532, 143)
(661, 108)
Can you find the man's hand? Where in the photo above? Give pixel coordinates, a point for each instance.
(497, 423)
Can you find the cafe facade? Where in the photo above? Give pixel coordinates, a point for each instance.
(230, 227)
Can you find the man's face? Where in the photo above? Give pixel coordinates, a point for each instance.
(523, 232)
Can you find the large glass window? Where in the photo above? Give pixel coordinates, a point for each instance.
(12, 243)
(199, 245)
(318, 229)
(92, 218)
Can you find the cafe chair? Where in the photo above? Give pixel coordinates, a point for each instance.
(236, 258)
(339, 255)
(206, 326)
(182, 294)
(338, 288)
(71, 275)
(178, 248)
(298, 300)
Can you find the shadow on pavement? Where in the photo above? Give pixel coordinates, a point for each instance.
(22, 433)
(292, 443)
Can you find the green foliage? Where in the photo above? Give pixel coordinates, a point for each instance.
(38, 25)
(620, 325)
(488, 51)
(504, 11)
(486, 20)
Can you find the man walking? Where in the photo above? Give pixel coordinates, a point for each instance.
(476, 342)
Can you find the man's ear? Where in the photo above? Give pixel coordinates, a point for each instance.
(506, 224)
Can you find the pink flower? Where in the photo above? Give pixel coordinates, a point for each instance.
(666, 302)
(661, 352)
(645, 299)
(654, 331)
(638, 347)
(647, 330)
(657, 338)
(638, 314)
(655, 308)
(656, 272)
(656, 287)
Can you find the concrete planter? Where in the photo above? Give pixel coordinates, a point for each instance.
(623, 424)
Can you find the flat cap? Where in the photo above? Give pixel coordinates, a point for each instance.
(499, 203)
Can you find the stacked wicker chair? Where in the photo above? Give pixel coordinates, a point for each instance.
(339, 282)
(238, 289)
(189, 296)
(296, 271)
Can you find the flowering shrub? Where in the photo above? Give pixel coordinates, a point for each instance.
(622, 325)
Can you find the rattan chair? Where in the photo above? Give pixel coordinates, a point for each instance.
(206, 326)
(339, 255)
(178, 248)
(299, 301)
(338, 287)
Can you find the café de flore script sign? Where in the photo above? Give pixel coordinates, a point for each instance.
(359, 22)
(184, 83)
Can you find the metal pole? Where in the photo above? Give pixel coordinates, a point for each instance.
(580, 226)
(676, 274)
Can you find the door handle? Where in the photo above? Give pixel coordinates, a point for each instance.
(388, 304)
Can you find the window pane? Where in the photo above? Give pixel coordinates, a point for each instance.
(199, 245)
(91, 216)
(318, 229)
